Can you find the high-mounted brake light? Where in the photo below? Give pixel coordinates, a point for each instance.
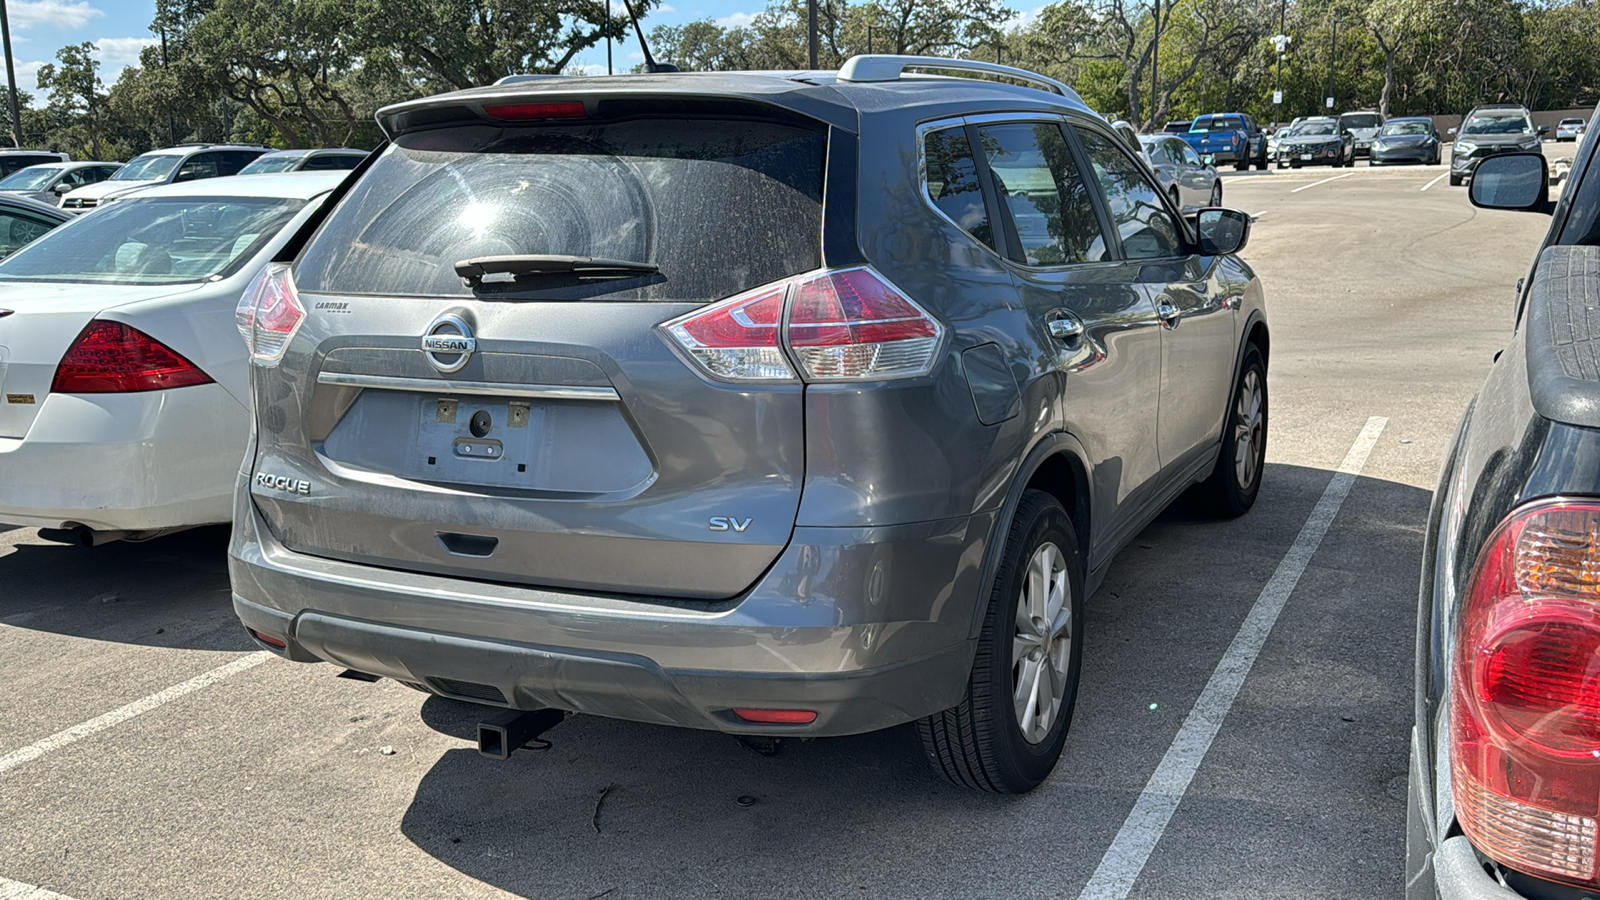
(113, 358)
(520, 112)
(1525, 709)
(843, 325)
(269, 314)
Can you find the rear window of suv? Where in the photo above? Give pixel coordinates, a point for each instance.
(720, 206)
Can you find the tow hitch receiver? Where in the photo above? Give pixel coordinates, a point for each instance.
(505, 734)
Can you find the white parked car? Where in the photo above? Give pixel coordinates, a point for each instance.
(171, 165)
(124, 387)
(1569, 129)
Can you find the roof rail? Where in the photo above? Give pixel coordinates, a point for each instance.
(519, 78)
(885, 67)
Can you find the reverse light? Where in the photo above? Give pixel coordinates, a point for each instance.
(1525, 709)
(269, 314)
(777, 716)
(113, 358)
(840, 325)
(520, 112)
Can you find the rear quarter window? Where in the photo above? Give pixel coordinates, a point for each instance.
(719, 206)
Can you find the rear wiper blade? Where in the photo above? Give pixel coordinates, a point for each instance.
(524, 264)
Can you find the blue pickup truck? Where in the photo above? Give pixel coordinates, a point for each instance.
(1229, 137)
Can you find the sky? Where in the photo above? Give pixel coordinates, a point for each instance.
(119, 29)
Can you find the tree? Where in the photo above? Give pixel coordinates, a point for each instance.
(75, 98)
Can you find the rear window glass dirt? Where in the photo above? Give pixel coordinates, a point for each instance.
(717, 206)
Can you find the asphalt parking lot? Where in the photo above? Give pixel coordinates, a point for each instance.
(1241, 731)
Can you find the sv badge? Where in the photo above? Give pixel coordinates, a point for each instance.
(726, 523)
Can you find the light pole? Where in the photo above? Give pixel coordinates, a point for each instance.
(811, 34)
(11, 75)
(1333, 55)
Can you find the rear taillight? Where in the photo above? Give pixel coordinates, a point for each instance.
(113, 358)
(1525, 716)
(845, 325)
(269, 314)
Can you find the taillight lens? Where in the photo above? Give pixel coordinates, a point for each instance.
(269, 314)
(113, 358)
(844, 325)
(1525, 709)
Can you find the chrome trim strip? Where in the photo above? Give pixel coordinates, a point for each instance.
(474, 388)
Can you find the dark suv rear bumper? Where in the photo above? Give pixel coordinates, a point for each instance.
(868, 627)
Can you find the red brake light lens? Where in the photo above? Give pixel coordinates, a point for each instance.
(1525, 709)
(113, 358)
(269, 314)
(843, 325)
(520, 112)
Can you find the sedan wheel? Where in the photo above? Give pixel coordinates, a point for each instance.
(1216, 195)
(1234, 483)
(1249, 424)
(1041, 649)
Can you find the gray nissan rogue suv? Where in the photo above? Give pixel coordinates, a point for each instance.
(783, 404)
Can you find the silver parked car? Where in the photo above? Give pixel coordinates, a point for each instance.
(47, 182)
(1189, 181)
(739, 402)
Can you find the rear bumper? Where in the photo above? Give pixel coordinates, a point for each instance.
(868, 627)
(1407, 154)
(125, 462)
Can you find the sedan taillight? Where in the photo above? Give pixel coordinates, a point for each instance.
(842, 325)
(1525, 709)
(113, 358)
(269, 314)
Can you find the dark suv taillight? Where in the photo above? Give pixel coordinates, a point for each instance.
(1525, 717)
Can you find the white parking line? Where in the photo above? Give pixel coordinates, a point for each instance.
(1126, 857)
(1433, 182)
(1323, 181)
(123, 713)
(16, 890)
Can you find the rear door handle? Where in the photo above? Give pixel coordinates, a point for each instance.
(1063, 327)
(1168, 313)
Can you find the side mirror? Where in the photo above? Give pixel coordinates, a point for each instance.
(62, 188)
(1544, 129)
(1222, 231)
(1209, 159)
(1451, 131)
(1517, 181)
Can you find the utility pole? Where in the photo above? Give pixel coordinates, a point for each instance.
(1333, 54)
(811, 34)
(869, 40)
(11, 75)
(1155, 63)
(1281, 41)
(608, 38)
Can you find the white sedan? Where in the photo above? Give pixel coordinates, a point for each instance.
(124, 394)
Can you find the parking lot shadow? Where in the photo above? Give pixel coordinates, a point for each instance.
(621, 810)
(168, 592)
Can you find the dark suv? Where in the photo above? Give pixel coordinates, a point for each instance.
(1488, 130)
(777, 404)
(1505, 752)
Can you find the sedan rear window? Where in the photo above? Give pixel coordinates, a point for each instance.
(715, 207)
(1217, 123)
(1360, 120)
(167, 240)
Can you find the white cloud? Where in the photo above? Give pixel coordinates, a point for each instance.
(736, 20)
(28, 77)
(51, 13)
(116, 54)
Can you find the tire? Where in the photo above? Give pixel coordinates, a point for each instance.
(1455, 181)
(981, 743)
(1241, 164)
(1216, 193)
(1232, 487)
(1261, 164)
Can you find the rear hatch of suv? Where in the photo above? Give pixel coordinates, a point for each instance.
(549, 432)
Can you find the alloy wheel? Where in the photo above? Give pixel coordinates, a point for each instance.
(1247, 437)
(1041, 647)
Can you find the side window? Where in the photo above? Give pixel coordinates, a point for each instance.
(1148, 231)
(1190, 158)
(332, 162)
(232, 162)
(1037, 180)
(201, 165)
(17, 229)
(1175, 152)
(952, 182)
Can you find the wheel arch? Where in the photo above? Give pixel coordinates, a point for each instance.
(1056, 466)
